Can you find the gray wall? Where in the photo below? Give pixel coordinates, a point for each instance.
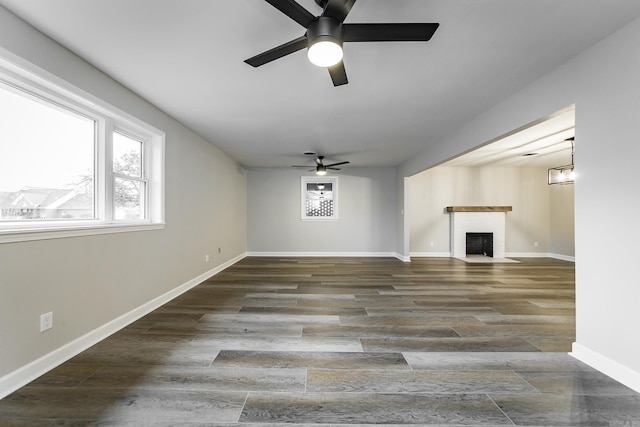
(603, 84)
(541, 213)
(366, 214)
(90, 281)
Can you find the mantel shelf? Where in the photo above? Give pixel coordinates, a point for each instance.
(479, 208)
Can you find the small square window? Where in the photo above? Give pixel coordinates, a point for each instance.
(319, 198)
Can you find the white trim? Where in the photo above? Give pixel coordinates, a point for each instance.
(563, 257)
(332, 254)
(403, 258)
(507, 255)
(526, 255)
(41, 77)
(540, 255)
(607, 366)
(23, 235)
(327, 254)
(400, 257)
(24, 375)
(430, 254)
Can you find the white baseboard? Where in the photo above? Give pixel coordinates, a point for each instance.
(402, 257)
(507, 255)
(325, 254)
(540, 255)
(430, 254)
(526, 255)
(24, 375)
(332, 254)
(615, 370)
(563, 257)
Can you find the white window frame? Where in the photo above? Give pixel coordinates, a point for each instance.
(304, 180)
(144, 178)
(33, 80)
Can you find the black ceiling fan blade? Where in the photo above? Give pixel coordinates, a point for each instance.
(333, 169)
(293, 10)
(337, 164)
(278, 52)
(338, 9)
(338, 74)
(388, 32)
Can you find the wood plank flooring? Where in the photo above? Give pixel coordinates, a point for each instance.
(342, 341)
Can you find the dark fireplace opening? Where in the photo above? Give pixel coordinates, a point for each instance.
(480, 244)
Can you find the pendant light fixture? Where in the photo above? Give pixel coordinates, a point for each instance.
(563, 174)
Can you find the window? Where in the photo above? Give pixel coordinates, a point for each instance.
(319, 198)
(130, 185)
(46, 160)
(71, 165)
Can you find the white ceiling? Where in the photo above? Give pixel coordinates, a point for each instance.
(186, 57)
(541, 144)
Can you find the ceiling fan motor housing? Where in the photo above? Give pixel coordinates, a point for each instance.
(324, 28)
(326, 33)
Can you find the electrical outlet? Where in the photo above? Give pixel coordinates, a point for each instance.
(206, 258)
(535, 244)
(46, 321)
(431, 243)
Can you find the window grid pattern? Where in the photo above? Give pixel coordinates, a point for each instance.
(320, 208)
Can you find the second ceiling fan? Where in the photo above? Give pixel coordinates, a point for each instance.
(321, 168)
(325, 34)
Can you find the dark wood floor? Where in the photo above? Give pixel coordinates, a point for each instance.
(337, 341)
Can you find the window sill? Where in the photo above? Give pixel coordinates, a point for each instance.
(45, 233)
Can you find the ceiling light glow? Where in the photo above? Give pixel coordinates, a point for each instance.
(325, 53)
(563, 174)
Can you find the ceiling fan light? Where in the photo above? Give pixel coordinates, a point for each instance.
(321, 170)
(325, 53)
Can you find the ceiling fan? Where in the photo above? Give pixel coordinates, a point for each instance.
(321, 168)
(325, 34)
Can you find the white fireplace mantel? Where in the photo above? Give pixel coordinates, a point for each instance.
(477, 219)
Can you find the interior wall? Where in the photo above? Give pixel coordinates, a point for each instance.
(604, 84)
(533, 228)
(366, 214)
(90, 281)
(608, 129)
(562, 232)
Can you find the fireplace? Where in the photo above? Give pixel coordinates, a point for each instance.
(479, 244)
(476, 220)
